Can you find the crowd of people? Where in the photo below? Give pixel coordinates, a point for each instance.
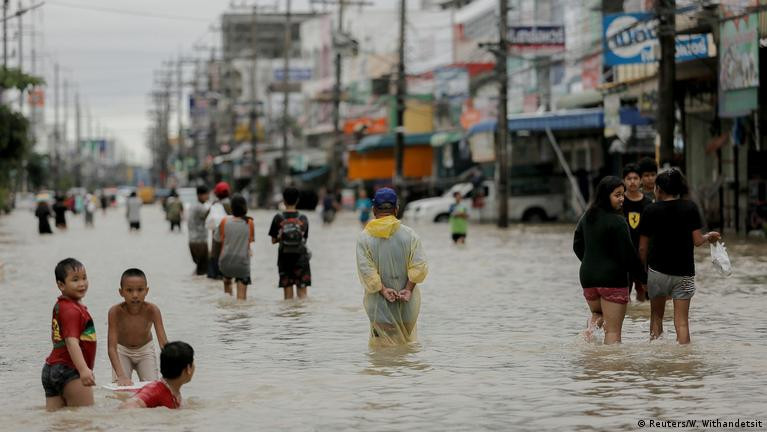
(639, 231)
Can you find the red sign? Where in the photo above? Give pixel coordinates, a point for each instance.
(36, 98)
(367, 125)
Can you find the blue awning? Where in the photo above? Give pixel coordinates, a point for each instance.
(632, 117)
(591, 118)
(384, 141)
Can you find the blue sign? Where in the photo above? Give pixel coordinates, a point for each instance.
(631, 38)
(294, 75)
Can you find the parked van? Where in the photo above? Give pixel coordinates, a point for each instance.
(529, 201)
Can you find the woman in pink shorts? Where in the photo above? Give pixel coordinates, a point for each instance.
(609, 260)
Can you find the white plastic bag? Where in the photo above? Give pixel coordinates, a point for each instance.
(720, 259)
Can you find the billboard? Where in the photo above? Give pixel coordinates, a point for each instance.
(537, 38)
(631, 38)
(739, 53)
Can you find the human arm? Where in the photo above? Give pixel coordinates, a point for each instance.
(633, 263)
(579, 244)
(407, 292)
(86, 374)
(367, 271)
(133, 402)
(274, 229)
(700, 239)
(159, 327)
(644, 245)
(114, 358)
(417, 268)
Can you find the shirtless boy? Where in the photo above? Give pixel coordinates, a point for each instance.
(129, 341)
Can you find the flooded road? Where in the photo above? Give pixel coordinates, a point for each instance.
(498, 337)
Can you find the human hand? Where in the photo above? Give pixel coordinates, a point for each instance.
(87, 378)
(124, 382)
(713, 236)
(404, 295)
(389, 294)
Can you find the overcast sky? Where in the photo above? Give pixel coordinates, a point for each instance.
(109, 50)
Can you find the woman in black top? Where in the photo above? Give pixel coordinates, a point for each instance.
(603, 244)
(669, 231)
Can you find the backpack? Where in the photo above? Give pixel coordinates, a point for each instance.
(292, 236)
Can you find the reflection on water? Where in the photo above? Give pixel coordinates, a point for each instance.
(498, 346)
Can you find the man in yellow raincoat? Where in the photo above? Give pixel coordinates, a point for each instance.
(390, 264)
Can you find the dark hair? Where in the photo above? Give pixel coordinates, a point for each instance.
(132, 272)
(290, 196)
(239, 206)
(202, 189)
(174, 358)
(631, 168)
(647, 165)
(672, 182)
(65, 266)
(601, 199)
(173, 193)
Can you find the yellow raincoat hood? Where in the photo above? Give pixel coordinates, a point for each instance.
(384, 227)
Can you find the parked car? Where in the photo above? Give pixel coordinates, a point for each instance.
(530, 201)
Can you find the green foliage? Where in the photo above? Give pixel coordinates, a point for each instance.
(13, 135)
(38, 171)
(14, 78)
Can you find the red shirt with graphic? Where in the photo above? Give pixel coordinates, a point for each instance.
(71, 319)
(156, 394)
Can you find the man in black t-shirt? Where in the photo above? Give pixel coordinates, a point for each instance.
(291, 230)
(634, 204)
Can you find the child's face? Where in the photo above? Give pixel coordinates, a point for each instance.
(134, 290)
(203, 198)
(648, 180)
(616, 197)
(75, 285)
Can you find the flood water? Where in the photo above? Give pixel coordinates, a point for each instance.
(499, 344)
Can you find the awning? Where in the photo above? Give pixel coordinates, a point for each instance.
(591, 118)
(441, 138)
(631, 116)
(383, 141)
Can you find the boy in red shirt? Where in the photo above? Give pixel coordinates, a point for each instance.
(177, 367)
(68, 372)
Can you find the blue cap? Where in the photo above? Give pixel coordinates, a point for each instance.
(385, 196)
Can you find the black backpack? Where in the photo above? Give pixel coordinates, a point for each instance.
(292, 236)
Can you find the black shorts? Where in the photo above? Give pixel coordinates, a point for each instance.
(135, 225)
(244, 281)
(457, 237)
(294, 269)
(55, 377)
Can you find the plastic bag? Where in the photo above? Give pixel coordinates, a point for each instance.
(720, 259)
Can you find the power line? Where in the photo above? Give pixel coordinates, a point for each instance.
(126, 12)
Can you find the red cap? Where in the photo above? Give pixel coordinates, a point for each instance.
(221, 190)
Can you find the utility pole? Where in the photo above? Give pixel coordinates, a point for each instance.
(254, 107)
(21, 55)
(56, 144)
(399, 147)
(180, 107)
(335, 163)
(79, 166)
(501, 148)
(286, 96)
(5, 33)
(666, 77)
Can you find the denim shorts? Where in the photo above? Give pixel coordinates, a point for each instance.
(55, 377)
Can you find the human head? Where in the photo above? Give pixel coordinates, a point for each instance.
(385, 202)
(202, 193)
(609, 195)
(177, 361)
(239, 206)
(290, 196)
(71, 278)
(648, 169)
(672, 183)
(221, 190)
(457, 195)
(133, 194)
(173, 193)
(631, 177)
(133, 286)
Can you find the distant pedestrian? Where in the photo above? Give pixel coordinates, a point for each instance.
(104, 199)
(608, 259)
(329, 207)
(89, 207)
(290, 229)
(459, 219)
(634, 204)
(237, 237)
(198, 235)
(221, 207)
(669, 232)
(390, 264)
(43, 213)
(364, 206)
(648, 171)
(133, 212)
(60, 209)
(174, 210)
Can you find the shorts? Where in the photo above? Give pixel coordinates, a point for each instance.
(135, 225)
(613, 295)
(294, 269)
(143, 360)
(676, 287)
(244, 281)
(457, 237)
(55, 377)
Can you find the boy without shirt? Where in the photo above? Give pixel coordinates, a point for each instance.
(129, 342)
